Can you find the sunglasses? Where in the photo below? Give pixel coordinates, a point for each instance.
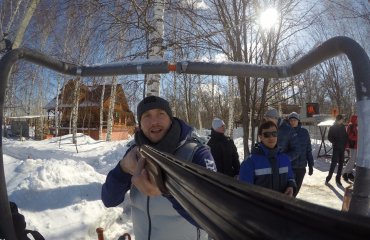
(270, 134)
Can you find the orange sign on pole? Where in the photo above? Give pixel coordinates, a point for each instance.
(312, 109)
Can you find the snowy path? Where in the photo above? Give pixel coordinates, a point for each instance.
(315, 191)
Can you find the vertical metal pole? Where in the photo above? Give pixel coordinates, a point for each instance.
(6, 223)
(360, 202)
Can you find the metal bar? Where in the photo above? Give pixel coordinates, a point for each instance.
(125, 68)
(250, 212)
(330, 48)
(360, 202)
(338, 45)
(112, 69)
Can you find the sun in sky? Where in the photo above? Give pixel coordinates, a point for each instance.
(268, 18)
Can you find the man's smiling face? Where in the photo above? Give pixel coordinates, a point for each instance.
(155, 123)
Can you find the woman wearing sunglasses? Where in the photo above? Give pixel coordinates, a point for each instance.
(267, 166)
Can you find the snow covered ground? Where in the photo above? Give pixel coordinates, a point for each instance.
(58, 189)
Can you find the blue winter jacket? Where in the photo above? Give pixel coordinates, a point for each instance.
(305, 149)
(287, 141)
(158, 216)
(259, 169)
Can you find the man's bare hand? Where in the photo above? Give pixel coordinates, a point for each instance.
(129, 162)
(140, 179)
(289, 191)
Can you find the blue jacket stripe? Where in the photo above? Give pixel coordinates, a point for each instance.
(262, 171)
(283, 170)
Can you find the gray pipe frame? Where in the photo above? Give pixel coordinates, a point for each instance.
(335, 46)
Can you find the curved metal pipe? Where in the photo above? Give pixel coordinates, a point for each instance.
(328, 49)
(338, 45)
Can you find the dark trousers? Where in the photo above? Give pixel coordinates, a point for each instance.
(298, 175)
(337, 158)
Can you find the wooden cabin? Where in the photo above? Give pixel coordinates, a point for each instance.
(89, 110)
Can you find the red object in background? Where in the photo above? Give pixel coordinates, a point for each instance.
(312, 109)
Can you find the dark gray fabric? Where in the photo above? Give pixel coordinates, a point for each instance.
(275, 169)
(299, 175)
(224, 153)
(338, 137)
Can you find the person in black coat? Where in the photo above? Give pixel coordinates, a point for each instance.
(338, 137)
(223, 150)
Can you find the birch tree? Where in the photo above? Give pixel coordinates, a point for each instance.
(74, 112)
(101, 111)
(112, 103)
(231, 98)
(156, 46)
(83, 51)
(25, 21)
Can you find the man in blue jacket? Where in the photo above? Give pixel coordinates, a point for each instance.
(154, 216)
(287, 137)
(305, 151)
(267, 166)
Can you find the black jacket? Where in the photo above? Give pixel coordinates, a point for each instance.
(338, 136)
(224, 153)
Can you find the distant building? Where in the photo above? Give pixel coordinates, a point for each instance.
(89, 111)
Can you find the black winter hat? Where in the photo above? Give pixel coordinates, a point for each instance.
(339, 117)
(153, 102)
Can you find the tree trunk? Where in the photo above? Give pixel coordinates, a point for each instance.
(12, 17)
(25, 21)
(244, 100)
(56, 109)
(231, 106)
(156, 49)
(200, 107)
(76, 98)
(101, 112)
(112, 103)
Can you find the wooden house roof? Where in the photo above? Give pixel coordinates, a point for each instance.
(90, 96)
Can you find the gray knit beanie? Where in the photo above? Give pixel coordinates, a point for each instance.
(217, 123)
(153, 102)
(272, 113)
(294, 115)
